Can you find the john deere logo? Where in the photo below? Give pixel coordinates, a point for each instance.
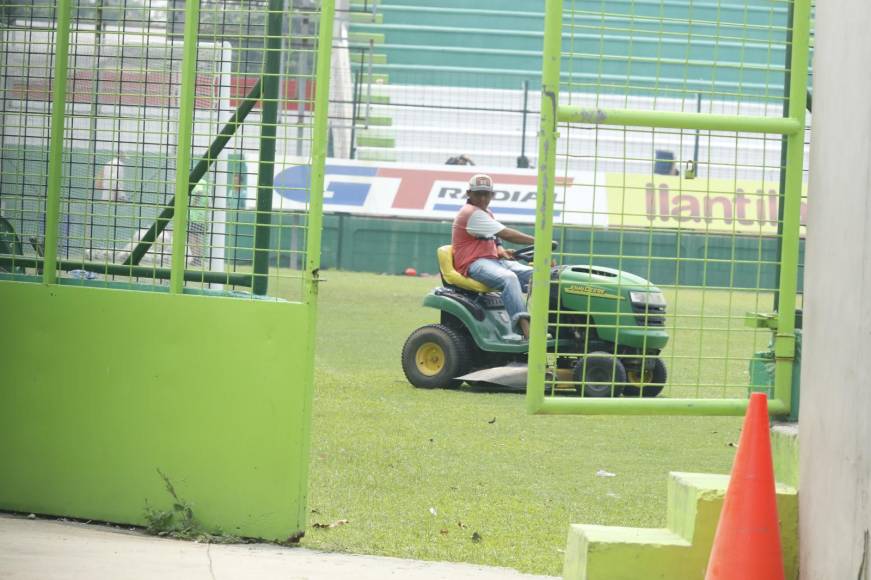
(590, 291)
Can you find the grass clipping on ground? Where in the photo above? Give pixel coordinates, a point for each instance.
(468, 476)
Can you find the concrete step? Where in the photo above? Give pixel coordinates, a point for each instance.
(681, 549)
(374, 99)
(368, 139)
(377, 78)
(375, 154)
(364, 58)
(373, 121)
(363, 37)
(366, 18)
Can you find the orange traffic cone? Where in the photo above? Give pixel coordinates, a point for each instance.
(747, 543)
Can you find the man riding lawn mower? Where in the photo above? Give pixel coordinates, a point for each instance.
(606, 327)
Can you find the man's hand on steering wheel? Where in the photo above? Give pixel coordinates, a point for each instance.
(504, 254)
(525, 254)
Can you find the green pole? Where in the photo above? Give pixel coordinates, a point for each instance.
(227, 131)
(56, 144)
(311, 277)
(784, 340)
(550, 77)
(228, 278)
(319, 150)
(268, 127)
(676, 120)
(185, 139)
(686, 407)
(787, 78)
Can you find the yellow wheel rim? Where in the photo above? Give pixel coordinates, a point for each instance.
(430, 359)
(637, 377)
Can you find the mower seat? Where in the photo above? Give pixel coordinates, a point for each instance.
(451, 276)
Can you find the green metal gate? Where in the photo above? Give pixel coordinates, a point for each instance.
(137, 360)
(708, 99)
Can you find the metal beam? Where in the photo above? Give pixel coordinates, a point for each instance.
(187, 93)
(272, 75)
(231, 278)
(202, 167)
(706, 407)
(56, 144)
(673, 120)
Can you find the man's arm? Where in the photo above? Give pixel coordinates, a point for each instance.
(510, 235)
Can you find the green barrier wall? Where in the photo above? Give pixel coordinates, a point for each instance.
(385, 245)
(429, 42)
(110, 386)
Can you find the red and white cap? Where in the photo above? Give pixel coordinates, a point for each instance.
(481, 182)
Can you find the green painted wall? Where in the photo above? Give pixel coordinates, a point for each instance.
(385, 245)
(101, 388)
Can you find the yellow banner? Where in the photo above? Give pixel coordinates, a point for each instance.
(662, 201)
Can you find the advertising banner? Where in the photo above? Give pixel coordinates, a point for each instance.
(716, 205)
(586, 199)
(435, 192)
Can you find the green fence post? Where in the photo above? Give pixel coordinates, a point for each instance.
(56, 145)
(272, 75)
(784, 341)
(550, 78)
(319, 152)
(186, 97)
(311, 276)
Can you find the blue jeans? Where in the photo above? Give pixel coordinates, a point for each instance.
(509, 277)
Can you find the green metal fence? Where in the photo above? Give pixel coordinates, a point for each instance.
(120, 126)
(688, 346)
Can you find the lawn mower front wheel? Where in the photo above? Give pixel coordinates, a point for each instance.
(599, 374)
(650, 382)
(434, 355)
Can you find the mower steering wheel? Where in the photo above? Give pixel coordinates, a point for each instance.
(526, 253)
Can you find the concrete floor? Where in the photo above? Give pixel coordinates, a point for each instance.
(41, 549)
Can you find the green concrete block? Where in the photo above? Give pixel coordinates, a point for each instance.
(679, 551)
(602, 552)
(784, 451)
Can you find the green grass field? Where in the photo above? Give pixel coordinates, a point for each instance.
(470, 477)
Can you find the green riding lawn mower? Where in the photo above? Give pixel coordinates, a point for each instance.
(606, 330)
